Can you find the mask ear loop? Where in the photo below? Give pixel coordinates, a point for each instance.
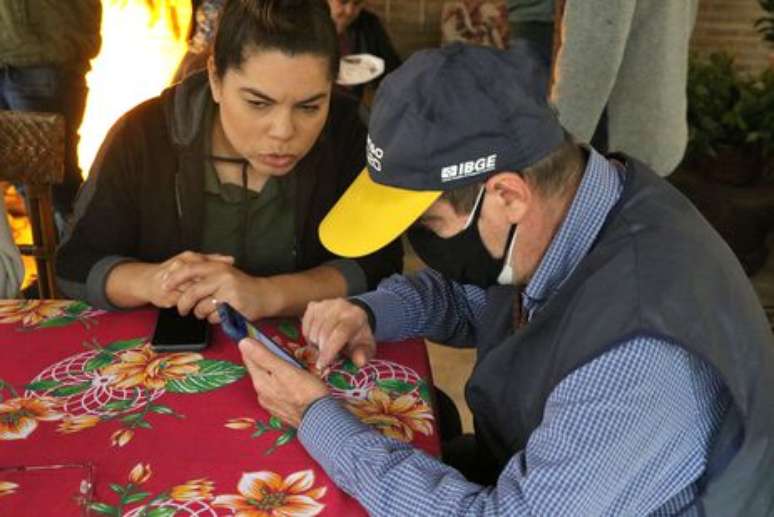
(506, 274)
(476, 208)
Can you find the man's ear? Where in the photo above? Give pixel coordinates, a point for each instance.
(513, 193)
(215, 83)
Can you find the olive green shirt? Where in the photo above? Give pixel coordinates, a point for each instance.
(266, 245)
(267, 241)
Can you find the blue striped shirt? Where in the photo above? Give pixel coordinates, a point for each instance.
(626, 434)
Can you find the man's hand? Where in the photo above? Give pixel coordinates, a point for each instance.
(338, 326)
(206, 284)
(283, 390)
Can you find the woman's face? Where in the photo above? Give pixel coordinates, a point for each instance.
(273, 108)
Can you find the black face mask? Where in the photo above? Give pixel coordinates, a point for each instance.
(461, 257)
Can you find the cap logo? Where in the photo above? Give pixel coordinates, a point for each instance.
(374, 154)
(469, 168)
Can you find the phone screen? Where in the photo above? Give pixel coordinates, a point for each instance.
(176, 332)
(237, 327)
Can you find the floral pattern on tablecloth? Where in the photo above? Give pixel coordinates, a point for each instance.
(7, 488)
(390, 397)
(261, 493)
(41, 314)
(119, 382)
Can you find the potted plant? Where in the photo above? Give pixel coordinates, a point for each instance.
(730, 120)
(765, 26)
(730, 149)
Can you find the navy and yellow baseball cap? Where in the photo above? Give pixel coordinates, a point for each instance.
(446, 118)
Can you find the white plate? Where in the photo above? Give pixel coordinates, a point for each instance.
(359, 68)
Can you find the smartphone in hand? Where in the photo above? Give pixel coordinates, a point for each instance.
(176, 333)
(237, 327)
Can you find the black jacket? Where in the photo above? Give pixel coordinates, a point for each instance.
(144, 197)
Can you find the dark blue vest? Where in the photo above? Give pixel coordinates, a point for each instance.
(656, 269)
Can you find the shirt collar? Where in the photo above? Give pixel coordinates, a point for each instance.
(597, 193)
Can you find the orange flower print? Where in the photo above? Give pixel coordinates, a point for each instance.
(121, 437)
(267, 494)
(20, 416)
(308, 356)
(7, 488)
(194, 490)
(397, 418)
(240, 423)
(140, 474)
(73, 424)
(145, 368)
(30, 312)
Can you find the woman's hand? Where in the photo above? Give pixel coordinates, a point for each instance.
(206, 284)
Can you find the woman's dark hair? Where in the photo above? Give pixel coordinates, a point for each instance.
(290, 26)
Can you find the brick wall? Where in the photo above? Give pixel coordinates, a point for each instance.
(720, 25)
(728, 25)
(412, 24)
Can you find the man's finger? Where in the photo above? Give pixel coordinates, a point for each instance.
(307, 320)
(360, 355)
(257, 354)
(334, 342)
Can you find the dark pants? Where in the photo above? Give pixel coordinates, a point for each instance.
(51, 89)
(534, 42)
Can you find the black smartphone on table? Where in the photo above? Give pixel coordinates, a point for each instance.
(237, 327)
(176, 333)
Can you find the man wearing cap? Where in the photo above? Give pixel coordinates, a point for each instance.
(625, 366)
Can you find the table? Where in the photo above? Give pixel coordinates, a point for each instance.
(92, 419)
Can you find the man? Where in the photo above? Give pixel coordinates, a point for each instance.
(45, 48)
(625, 366)
(629, 59)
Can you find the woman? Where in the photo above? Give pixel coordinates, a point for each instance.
(213, 191)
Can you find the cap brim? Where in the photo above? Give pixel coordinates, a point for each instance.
(369, 216)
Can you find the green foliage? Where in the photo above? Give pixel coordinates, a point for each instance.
(765, 24)
(729, 110)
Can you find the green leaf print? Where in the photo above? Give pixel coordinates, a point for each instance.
(396, 386)
(289, 329)
(61, 321)
(43, 385)
(99, 361)
(77, 308)
(104, 508)
(211, 376)
(338, 381)
(66, 391)
(117, 346)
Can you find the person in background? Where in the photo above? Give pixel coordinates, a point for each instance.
(532, 21)
(12, 267)
(630, 56)
(624, 364)
(360, 31)
(199, 50)
(45, 49)
(477, 22)
(213, 191)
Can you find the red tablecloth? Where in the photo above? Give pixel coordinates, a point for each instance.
(91, 417)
